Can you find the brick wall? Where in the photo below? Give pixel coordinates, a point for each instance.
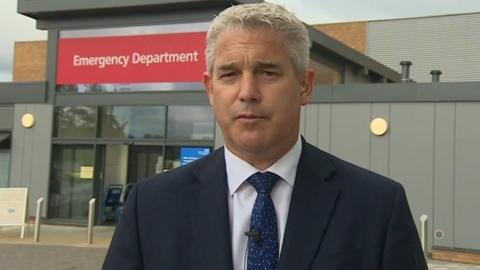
(30, 61)
(353, 34)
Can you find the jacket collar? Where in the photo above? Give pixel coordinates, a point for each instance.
(210, 218)
(311, 206)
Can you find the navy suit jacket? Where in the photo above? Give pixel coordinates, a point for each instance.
(340, 217)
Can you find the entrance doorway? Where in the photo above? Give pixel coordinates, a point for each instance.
(144, 161)
(120, 167)
(72, 182)
(106, 172)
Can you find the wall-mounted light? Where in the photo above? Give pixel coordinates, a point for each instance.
(28, 120)
(379, 126)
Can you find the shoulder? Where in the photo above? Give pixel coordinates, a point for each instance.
(352, 177)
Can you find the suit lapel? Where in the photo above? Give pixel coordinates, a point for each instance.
(311, 206)
(210, 217)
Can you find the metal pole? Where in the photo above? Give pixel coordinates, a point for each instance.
(436, 75)
(91, 215)
(424, 234)
(36, 233)
(405, 71)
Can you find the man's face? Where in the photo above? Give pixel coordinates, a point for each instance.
(255, 93)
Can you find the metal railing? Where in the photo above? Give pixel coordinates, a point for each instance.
(38, 217)
(424, 233)
(91, 216)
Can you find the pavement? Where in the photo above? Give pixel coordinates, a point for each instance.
(56, 235)
(66, 248)
(59, 248)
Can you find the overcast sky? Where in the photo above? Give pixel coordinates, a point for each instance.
(14, 27)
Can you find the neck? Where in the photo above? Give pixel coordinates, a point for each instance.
(261, 160)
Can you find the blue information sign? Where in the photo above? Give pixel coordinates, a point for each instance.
(189, 154)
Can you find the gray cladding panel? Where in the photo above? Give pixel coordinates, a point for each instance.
(397, 92)
(467, 177)
(443, 172)
(316, 125)
(218, 136)
(6, 118)
(448, 43)
(53, 8)
(30, 152)
(324, 126)
(379, 145)
(302, 120)
(350, 138)
(311, 123)
(17, 145)
(22, 92)
(411, 153)
(421, 150)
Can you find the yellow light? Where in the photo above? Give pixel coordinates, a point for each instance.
(28, 120)
(379, 126)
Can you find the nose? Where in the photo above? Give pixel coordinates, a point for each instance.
(249, 89)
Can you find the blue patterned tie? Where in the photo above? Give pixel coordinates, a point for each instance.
(263, 251)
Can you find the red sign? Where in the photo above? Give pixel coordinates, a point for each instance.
(132, 59)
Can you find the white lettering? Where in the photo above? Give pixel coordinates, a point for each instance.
(101, 61)
(137, 58)
(149, 59)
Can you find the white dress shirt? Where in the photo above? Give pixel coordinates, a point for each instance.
(242, 197)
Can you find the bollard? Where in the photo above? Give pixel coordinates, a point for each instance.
(91, 215)
(36, 233)
(424, 234)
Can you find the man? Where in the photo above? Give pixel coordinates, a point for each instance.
(268, 199)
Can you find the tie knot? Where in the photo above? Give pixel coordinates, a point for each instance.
(263, 182)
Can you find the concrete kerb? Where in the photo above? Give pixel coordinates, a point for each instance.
(57, 235)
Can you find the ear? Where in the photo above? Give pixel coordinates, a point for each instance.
(207, 82)
(307, 86)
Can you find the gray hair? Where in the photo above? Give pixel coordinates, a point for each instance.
(263, 16)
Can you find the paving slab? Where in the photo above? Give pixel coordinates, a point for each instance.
(66, 248)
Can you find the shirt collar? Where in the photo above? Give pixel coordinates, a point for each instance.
(239, 170)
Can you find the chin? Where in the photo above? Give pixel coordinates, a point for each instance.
(254, 144)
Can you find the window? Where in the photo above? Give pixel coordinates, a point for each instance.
(133, 122)
(190, 123)
(75, 122)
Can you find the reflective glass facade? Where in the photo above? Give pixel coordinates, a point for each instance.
(101, 151)
(190, 123)
(75, 122)
(132, 122)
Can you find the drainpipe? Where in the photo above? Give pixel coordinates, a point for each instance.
(405, 70)
(436, 75)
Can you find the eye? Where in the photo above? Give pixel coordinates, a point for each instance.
(227, 75)
(269, 73)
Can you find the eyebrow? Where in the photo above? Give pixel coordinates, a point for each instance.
(226, 67)
(258, 65)
(267, 65)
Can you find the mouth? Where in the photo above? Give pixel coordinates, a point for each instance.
(249, 117)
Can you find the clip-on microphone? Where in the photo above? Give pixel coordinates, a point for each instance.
(254, 235)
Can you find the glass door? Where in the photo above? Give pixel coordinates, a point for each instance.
(72, 183)
(144, 161)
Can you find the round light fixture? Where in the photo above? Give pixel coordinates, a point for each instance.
(28, 120)
(379, 126)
